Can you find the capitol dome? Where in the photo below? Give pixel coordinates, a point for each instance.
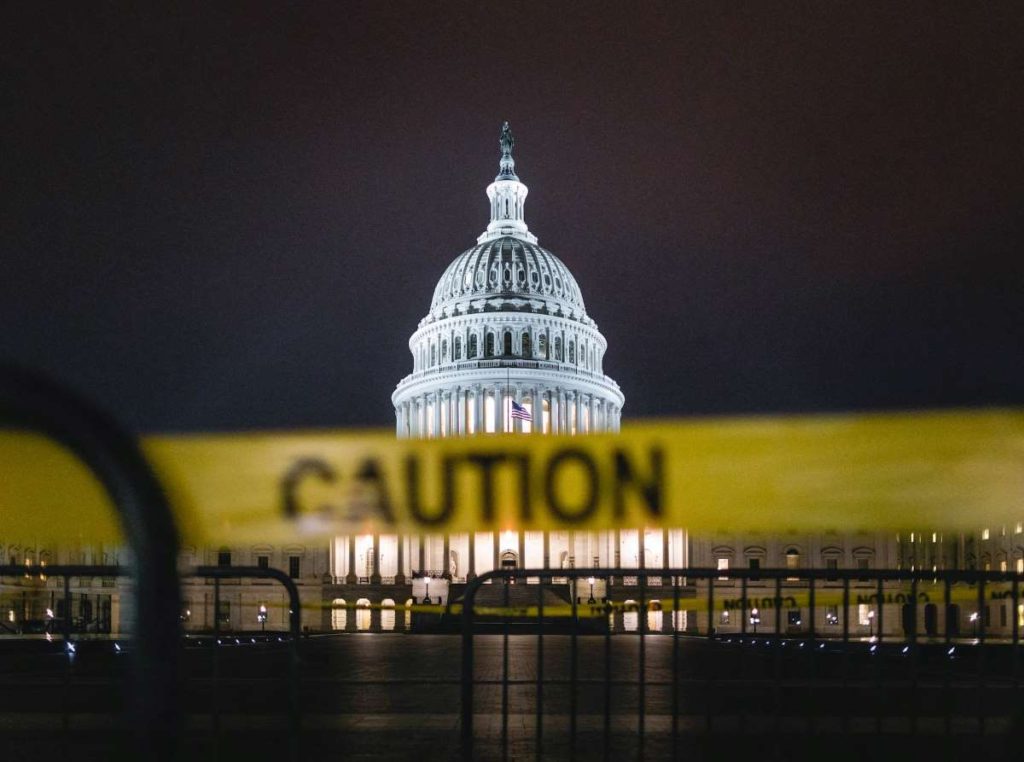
(507, 344)
(508, 273)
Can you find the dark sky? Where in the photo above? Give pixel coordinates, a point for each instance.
(236, 219)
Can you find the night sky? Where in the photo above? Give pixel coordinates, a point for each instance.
(236, 219)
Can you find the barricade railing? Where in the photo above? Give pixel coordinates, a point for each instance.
(31, 402)
(761, 654)
(58, 621)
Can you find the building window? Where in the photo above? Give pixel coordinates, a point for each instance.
(865, 614)
(724, 618)
(444, 350)
(489, 345)
(558, 348)
(831, 615)
(793, 617)
(723, 565)
(863, 564)
(458, 347)
(263, 562)
(832, 564)
(472, 345)
(527, 346)
(507, 349)
(755, 564)
(224, 558)
(542, 345)
(1020, 565)
(984, 534)
(572, 352)
(293, 567)
(792, 561)
(224, 612)
(433, 355)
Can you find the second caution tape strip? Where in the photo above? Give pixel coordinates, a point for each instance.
(722, 601)
(876, 472)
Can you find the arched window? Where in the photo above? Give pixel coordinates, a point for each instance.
(444, 351)
(363, 614)
(433, 355)
(792, 560)
(527, 347)
(558, 348)
(542, 345)
(458, 347)
(489, 345)
(339, 614)
(387, 614)
(583, 355)
(472, 345)
(572, 352)
(508, 343)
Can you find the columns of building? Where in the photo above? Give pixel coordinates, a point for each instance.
(537, 410)
(375, 566)
(517, 424)
(478, 409)
(592, 421)
(555, 409)
(471, 572)
(499, 407)
(437, 415)
(350, 578)
(400, 574)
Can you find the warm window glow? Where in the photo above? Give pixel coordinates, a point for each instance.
(723, 565)
(984, 534)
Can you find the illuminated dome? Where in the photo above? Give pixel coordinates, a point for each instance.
(507, 329)
(511, 274)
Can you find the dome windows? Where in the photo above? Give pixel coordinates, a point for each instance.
(458, 347)
(572, 352)
(507, 349)
(527, 347)
(433, 355)
(489, 345)
(542, 345)
(558, 348)
(444, 351)
(472, 345)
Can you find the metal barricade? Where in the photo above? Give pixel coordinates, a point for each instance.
(703, 662)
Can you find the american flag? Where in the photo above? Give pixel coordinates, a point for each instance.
(520, 412)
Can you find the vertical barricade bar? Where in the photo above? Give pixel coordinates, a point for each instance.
(1015, 635)
(676, 620)
(980, 623)
(912, 637)
(215, 696)
(846, 652)
(709, 707)
(641, 688)
(946, 703)
(540, 668)
(467, 668)
(573, 669)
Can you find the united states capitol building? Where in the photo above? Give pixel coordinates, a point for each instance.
(508, 345)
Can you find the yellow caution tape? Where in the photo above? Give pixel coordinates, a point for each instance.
(952, 470)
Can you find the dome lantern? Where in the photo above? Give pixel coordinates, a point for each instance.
(507, 196)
